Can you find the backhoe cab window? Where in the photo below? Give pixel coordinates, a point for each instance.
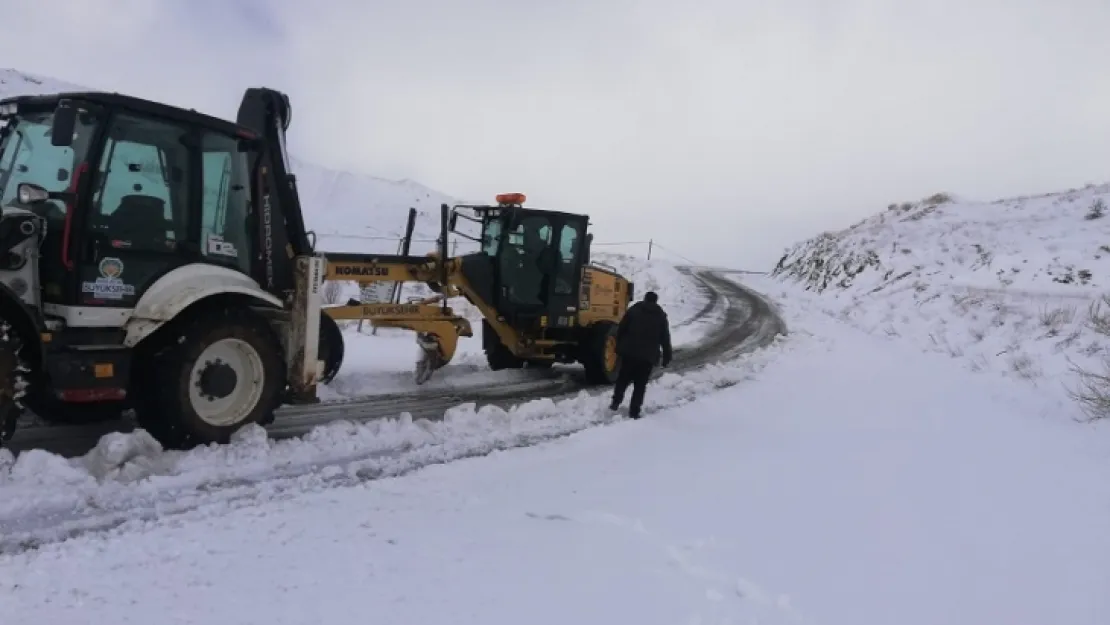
(26, 155)
(225, 202)
(143, 173)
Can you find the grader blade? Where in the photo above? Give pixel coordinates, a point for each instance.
(437, 328)
(431, 358)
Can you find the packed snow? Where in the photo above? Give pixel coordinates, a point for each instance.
(869, 498)
(1015, 285)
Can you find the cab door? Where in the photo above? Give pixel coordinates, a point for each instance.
(565, 275)
(138, 222)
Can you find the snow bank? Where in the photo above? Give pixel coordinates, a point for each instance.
(1010, 285)
(673, 286)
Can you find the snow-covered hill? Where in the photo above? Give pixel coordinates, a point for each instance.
(1015, 284)
(349, 212)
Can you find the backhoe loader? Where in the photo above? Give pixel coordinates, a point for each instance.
(156, 259)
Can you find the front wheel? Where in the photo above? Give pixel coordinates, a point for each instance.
(224, 371)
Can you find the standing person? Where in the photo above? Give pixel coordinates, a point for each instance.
(641, 335)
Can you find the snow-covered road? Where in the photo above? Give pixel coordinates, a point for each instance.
(843, 478)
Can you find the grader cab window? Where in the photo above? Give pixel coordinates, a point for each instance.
(525, 261)
(568, 259)
(491, 237)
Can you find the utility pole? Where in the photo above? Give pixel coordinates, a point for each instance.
(651, 242)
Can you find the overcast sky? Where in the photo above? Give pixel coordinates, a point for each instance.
(725, 129)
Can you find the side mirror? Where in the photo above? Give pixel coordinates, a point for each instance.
(31, 193)
(65, 121)
(454, 219)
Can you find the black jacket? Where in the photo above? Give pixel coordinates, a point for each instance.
(643, 332)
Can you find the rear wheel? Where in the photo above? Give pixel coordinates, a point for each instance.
(224, 370)
(598, 353)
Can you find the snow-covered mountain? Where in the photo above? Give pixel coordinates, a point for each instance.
(1015, 284)
(348, 211)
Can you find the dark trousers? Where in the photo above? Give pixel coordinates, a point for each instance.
(637, 372)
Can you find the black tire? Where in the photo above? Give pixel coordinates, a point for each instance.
(597, 353)
(169, 405)
(331, 347)
(498, 356)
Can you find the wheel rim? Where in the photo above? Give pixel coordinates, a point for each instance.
(208, 398)
(610, 353)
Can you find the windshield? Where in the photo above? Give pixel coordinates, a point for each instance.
(26, 154)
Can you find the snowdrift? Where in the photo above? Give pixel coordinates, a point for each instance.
(1015, 285)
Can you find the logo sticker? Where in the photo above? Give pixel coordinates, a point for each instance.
(109, 285)
(111, 268)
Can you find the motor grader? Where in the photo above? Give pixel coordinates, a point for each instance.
(156, 259)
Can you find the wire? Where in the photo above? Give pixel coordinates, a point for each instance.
(667, 249)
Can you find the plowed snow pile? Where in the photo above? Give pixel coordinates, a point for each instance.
(1013, 285)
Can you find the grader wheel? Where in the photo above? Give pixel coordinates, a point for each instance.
(598, 353)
